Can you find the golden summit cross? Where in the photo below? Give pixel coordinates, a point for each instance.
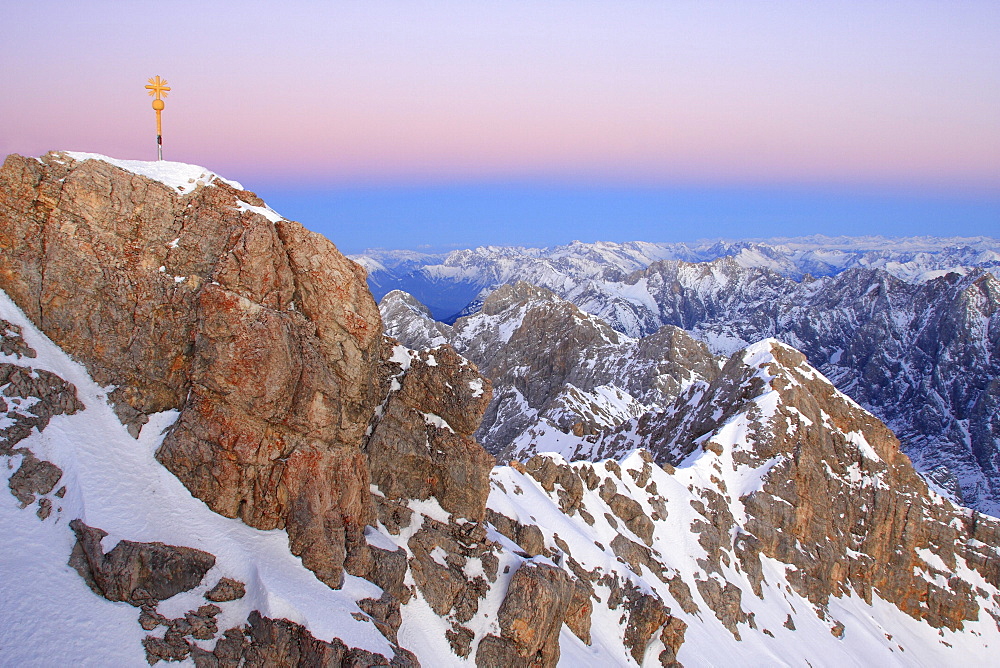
(158, 89)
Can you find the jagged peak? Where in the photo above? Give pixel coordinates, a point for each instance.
(513, 294)
(407, 300)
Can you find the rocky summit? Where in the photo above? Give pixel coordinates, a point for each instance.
(215, 456)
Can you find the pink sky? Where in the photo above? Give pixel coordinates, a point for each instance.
(890, 93)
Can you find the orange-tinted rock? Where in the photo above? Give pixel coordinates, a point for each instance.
(421, 446)
(261, 334)
(538, 599)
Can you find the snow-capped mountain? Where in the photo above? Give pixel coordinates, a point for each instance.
(552, 365)
(216, 458)
(910, 333)
(449, 283)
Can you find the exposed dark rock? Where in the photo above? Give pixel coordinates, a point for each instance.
(279, 642)
(549, 475)
(747, 549)
(682, 594)
(34, 476)
(137, 573)
(228, 652)
(460, 639)
(632, 514)
(421, 445)
(467, 603)
(12, 341)
(724, 602)
(201, 623)
(496, 652)
(672, 636)
(149, 618)
(51, 396)
(580, 610)
(389, 571)
(44, 509)
(440, 583)
(393, 515)
(637, 556)
(171, 647)
(537, 601)
(384, 612)
(527, 536)
(646, 614)
(227, 589)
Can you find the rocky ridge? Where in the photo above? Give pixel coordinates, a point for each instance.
(582, 381)
(911, 334)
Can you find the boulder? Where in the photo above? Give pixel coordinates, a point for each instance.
(532, 613)
(227, 589)
(137, 573)
(34, 476)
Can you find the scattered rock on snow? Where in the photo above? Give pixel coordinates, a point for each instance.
(136, 573)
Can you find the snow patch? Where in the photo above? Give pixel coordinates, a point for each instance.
(182, 177)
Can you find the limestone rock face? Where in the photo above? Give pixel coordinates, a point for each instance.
(422, 445)
(537, 600)
(260, 333)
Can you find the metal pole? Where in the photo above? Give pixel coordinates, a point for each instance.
(159, 137)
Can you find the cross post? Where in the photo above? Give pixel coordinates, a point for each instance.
(158, 89)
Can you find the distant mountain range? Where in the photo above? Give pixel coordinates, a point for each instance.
(449, 282)
(908, 328)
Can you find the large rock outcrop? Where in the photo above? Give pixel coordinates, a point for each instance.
(421, 445)
(137, 573)
(197, 297)
(530, 617)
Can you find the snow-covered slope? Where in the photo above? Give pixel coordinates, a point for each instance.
(649, 549)
(113, 481)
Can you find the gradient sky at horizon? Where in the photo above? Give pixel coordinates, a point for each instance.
(450, 123)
